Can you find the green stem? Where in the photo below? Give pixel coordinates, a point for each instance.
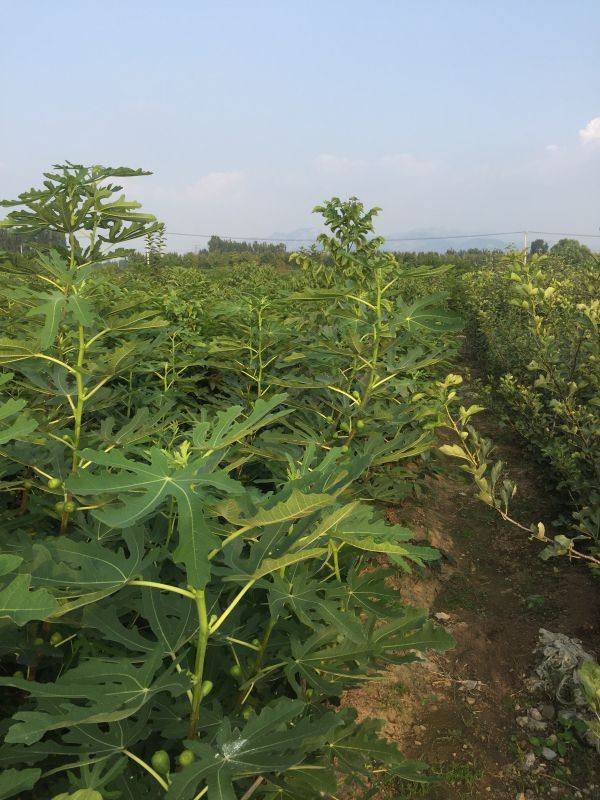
(77, 417)
(260, 354)
(147, 767)
(376, 340)
(336, 563)
(242, 643)
(203, 634)
(232, 606)
(171, 524)
(263, 645)
(164, 587)
(230, 538)
(78, 413)
(129, 392)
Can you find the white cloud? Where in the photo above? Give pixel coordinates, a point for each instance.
(216, 186)
(591, 133)
(407, 162)
(399, 162)
(552, 148)
(339, 164)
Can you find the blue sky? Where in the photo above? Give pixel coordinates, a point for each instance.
(463, 116)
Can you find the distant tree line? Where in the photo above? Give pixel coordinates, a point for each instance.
(569, 250)
(265, 250)
(222, 253)
(12, 242)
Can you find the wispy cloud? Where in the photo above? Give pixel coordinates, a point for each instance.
(217, 186)
(404, 163)
(327, 162)
(552, 148)
(591, 133)
(407, 162)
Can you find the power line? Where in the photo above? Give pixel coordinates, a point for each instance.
(390, 239)
(452, 236)
(576, 235)
(482, 235)
(241, 238)
(312, 238)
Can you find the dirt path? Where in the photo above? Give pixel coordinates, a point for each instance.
(493, 594)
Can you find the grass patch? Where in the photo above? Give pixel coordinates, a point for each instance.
(462, 777)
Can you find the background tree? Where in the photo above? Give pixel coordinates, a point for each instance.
(538, 246)
(574, 252)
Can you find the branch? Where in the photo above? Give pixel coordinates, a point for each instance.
(252, 789)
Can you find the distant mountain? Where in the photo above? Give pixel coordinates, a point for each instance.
(420, 240)
(439, 240)
(298, 237)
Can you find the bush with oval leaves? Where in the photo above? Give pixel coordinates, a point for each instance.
(535, 329)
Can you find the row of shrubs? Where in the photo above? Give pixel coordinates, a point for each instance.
(533, 327)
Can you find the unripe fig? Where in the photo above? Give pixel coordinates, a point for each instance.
(186, 757)
(161, 762)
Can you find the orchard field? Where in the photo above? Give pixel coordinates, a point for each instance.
(258, 509)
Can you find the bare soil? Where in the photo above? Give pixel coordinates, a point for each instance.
(497, 593)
